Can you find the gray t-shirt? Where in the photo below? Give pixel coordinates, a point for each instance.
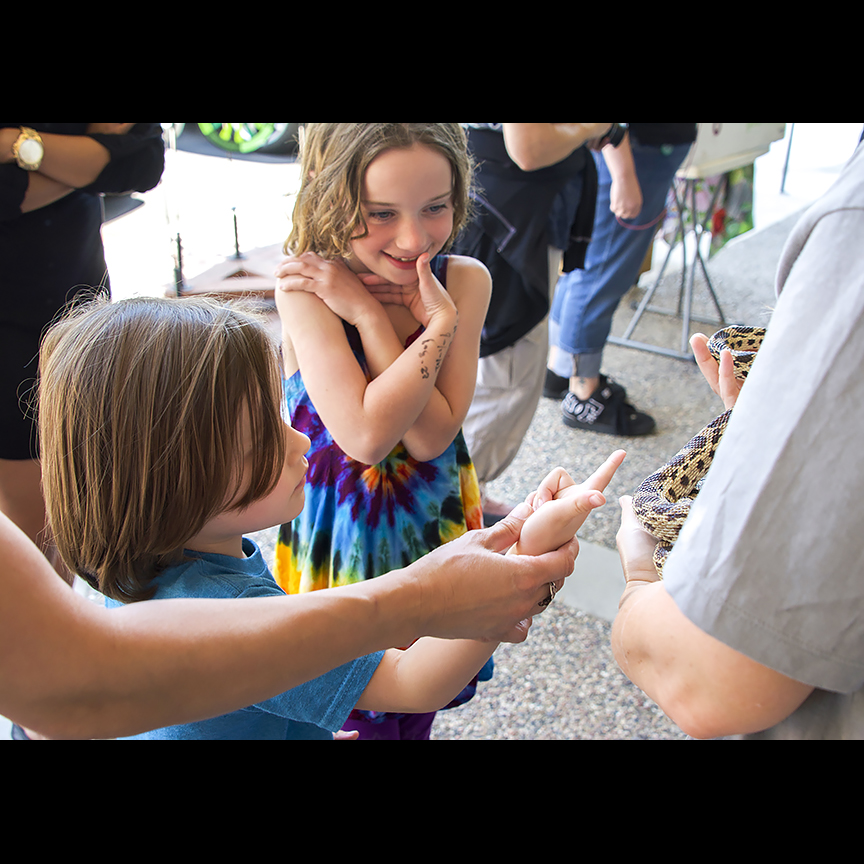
(771, 559)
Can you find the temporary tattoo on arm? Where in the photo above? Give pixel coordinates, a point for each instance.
(434, 351)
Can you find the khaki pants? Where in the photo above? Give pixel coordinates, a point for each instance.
(509, 385)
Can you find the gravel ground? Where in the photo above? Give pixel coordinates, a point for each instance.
(562, 684)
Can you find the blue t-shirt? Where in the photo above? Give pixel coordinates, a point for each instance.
(312, 711)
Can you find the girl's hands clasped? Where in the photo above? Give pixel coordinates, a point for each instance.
(349, 295)
(342, 290)
(426, 298)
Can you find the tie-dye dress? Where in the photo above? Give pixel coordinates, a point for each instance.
(360, 521)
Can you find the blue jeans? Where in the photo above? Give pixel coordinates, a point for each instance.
(585, 300)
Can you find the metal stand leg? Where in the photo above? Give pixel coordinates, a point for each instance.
(688, 275)
(174, 222)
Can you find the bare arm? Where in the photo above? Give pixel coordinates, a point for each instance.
(71, 669)
(537, 145)
(42, 191)
(70, 162)
(432, 672)
(626, 193)
(366, 419)
(470, 286)
(73, 160)
(418, 395)
(707, 688)
(425, 677)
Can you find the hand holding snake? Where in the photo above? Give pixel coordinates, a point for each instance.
(662, 501)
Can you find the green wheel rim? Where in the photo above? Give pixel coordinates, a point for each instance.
(238, 137)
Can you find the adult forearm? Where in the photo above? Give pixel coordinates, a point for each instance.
(707, 688)
(72, 669)
(152, 664)
(619, 160)
(42, 191)
(74, 160)
(634, 644)
(39, 190)
(653, 648)
(538, 145)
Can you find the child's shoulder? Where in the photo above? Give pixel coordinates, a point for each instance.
(465, 264)
(464, 272)
(211, 576)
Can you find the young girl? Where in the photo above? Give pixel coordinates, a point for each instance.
(381, 341)
(163, 443)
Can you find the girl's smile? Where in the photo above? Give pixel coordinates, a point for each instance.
(403, 263)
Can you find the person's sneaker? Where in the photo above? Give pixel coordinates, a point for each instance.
(557, 387)
(606, 411)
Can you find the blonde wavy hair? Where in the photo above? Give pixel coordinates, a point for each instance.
(334, 159)
(139, 411)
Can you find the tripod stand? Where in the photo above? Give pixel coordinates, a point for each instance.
(688, 278)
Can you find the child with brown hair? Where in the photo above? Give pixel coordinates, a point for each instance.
(163, 444)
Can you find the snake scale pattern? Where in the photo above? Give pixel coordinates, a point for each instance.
(662, 501)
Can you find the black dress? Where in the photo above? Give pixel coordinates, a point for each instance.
(53, 256)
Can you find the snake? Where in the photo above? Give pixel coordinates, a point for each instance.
(662, 501)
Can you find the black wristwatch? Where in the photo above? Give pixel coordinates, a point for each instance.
(615, 135)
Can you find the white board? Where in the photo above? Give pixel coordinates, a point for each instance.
(722, 147)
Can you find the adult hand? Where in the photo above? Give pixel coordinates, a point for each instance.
(332, 281)
(625, 198)
(720, 377)
(109, 128)
(635, 546)
(475, 591)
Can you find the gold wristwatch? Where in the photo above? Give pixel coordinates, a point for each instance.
(28, 150)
